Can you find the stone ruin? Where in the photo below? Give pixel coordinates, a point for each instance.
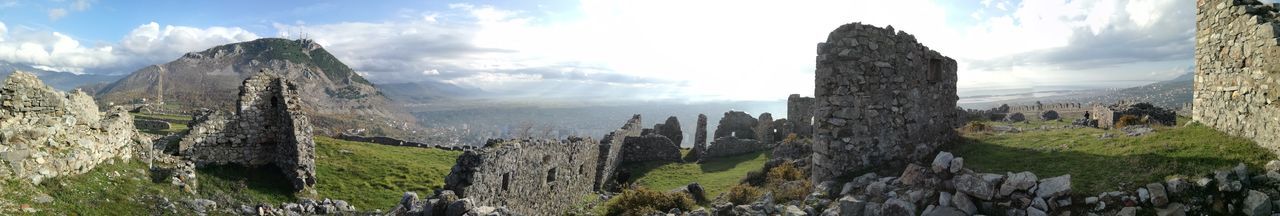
(739, 133)
(649, 147)
(1107, 116)
(610, 155)
(699, 141)
(883, 100)
(45, 133)
(527, 175)
(1237, 78)
(268, 128)
(800, 115)
(737, 124)
(670, 129)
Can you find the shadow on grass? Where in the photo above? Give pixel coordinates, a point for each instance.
(707, 166)
(1096, 173)
(259, 184)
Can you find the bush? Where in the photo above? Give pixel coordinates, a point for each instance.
(642, 201)
(784, 173)
(791, 138)
(975, 127)
(753, 178)
(1128, 120)
(743, 194)
(792, 190)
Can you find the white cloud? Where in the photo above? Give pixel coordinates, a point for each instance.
(3, 31)
(57, 13)
(81, 5)
(146, 44)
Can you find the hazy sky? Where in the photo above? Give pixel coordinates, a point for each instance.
(650, 49)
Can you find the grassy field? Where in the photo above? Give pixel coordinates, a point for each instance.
(1118, 163)
(715, 176)
(375, 176)
(121, 188)
(177, 123)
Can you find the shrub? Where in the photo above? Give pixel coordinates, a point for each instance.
(975, 127)
(743, 194)
(792, 190)
(784, 173)
(1128, 120)
(754, 178)
(791, 138)
(642, 201)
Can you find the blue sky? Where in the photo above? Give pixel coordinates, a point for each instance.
(656, 49)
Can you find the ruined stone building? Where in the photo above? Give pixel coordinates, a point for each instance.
(800, 115)
(1237, 79)
(268, 128)
(45, 133)
(699, 140)
(610, 152)
(739, 133)
(882, 99)
(527, 176)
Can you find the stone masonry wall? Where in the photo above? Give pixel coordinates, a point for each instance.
(800, 114)
(610, 155)
(45, 133)
(529, 177)
(882, 99)
(1237, 80)
(730, 146)
(649, 147)
(268, 128)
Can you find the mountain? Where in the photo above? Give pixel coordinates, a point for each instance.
(427, 91)
(1175, 94)
(336, 97)
(62, 81)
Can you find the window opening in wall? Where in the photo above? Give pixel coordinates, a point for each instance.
(551, 175)
(582, 169)
(506, 181)
(935, 71)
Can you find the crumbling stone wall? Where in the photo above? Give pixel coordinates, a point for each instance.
(882, 99)
(268, 128)
(534, 177)
(671, 130)
(765, 130)
(1237, 80)
(737, 124)
(45, 133)
(649, 147)
(730, 146)
(800, 114)
(610, 155)
(699, 140)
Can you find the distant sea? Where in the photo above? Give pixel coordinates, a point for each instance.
(987, 94)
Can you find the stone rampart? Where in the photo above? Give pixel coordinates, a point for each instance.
(1237, 79)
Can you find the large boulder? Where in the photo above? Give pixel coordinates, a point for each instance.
(1054, 187)
(974, 186)
(942, 162)
(1022, 181)
(1158, 196)
(1049, 115)
(1256, 204)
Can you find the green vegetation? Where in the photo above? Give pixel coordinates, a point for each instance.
(120, 188)
(788, 182)
(642, 201)
(267, 49)
(369, 176)
(715, 175)
(374, 176)
(1106, 164)
(177, 123)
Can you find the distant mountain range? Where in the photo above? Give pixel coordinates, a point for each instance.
(59, 80)
(337, 97)
(1175, 94)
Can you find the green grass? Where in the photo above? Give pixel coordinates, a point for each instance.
(121, 188)
(1119, 163)
(715, 175)
(177, 123)
(375, 176)
(262, 184)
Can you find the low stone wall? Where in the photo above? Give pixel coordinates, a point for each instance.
(729, 146)
(47, 133)
(268, 128)
(533, 177)
(650, 147)
(151, 124)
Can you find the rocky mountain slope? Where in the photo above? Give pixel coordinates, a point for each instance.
(337, 98)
